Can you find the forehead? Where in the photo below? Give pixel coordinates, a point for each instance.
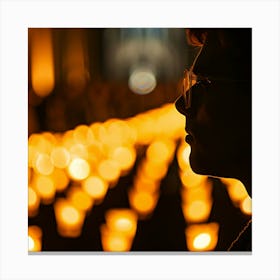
(225, 53)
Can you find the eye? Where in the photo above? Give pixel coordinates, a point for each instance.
(204, 81)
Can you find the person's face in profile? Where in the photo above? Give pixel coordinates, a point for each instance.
(218, 118)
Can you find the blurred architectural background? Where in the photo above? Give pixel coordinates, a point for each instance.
(107, 162)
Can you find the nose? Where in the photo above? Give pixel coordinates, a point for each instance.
(180, 105)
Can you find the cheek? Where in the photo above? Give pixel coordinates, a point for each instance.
(218, 126)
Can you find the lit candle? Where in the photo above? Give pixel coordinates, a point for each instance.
(33, 202)
(122, 220)
(114, 241)
(202, 237)
(34, 239)
(69, 219)
(42, 61)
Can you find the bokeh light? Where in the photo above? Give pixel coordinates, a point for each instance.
(42, 62)
(96, 187)
(34, 238)
(202, 237)
(78, 169)
(69, 219)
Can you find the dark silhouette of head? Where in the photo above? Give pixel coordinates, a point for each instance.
(218, 118)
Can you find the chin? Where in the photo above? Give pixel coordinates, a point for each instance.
(205, 166)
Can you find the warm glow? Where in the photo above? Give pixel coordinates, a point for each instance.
(246, 205)
(32, 155)
(45, 188)
(172, 119)
(34, 239)
(154, 171)
(122, 220)
(33, 202)
(31, 244)
(109, 170)
(183, 155)
(67, 139)
(202, 237)
(78, 169)
(236, 189)
(60, 157)
(197, 211)
(43, 164)
(142, 183)
(42, 61)
(125, 157)
(80, 199)
(69, 219)
(142, 202)
(29, 173)
(115, 132)
(160, 151)
(202, 241)
(40, 143)
(75, 60)
(95, 186)
(145, 128)
(70, 215)
(60, 179)
(201, 192)
(122, 134)
(190, 179)
(81, 133)
(78, 150)
(114, 241)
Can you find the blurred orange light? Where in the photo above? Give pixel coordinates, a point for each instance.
(42, 61)
(60, 157)
(60, 179)
(142, 202)
(45, 188)
(183, 155)
(142, 183)
(78, 169)
(34, 239)
(202, 241)
(125, 157)
(95, 186)
(43, 164)
(80, 199)
(160, 151)
(69, 219)
(109, 170)
(154, 171)
(236, 189)
(246, 205)
(76, 60)
(33, 202)
(80, 134)
(197, 211)
(200, 192)
(145, 128)
(202, 237)
(114, 241)
(78, 150)
(190, 179)
(122, 220)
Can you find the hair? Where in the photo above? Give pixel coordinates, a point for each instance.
(237, 41)
(226, 36)
(196, 36)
